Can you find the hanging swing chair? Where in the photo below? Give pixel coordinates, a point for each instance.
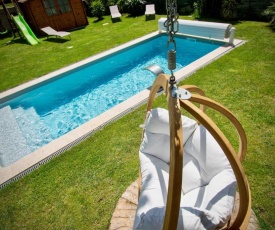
(189, 171)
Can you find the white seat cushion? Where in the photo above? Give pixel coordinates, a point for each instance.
(205, 207)
(155, 176)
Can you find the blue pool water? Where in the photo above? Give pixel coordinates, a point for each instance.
(77, 96)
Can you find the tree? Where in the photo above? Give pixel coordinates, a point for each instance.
(135, 7)
(212, 8)
(229, 9)
(270, 13)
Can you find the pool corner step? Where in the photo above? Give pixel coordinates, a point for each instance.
(13, 144)
(34, 130)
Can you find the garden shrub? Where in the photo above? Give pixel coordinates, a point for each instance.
(135, 7)
(122, 5)
(98, 9)
(198, 6)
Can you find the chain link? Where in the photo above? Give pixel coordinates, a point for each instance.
(172, 27)
(171, 24)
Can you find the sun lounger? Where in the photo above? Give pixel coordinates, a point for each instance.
(52, 32)
(114, 12)
(150, 9)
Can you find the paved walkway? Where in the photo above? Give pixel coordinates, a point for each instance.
(124, 214)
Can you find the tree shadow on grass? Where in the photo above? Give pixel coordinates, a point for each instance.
(115, 20)
(98, 20)
(271, 27)
(16, 40)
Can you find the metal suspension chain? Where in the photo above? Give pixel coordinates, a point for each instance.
(172, 27)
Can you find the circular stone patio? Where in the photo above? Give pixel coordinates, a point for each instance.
(124, 214)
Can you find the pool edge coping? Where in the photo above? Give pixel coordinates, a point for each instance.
(42, 155)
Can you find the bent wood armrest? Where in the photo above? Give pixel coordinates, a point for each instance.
(195, 89)
(230, 116)
(241, 221)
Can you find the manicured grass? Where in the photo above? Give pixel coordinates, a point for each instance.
(80, 188)
(22, 62)
(244, 80)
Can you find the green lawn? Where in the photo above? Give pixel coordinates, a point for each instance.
(80, 188)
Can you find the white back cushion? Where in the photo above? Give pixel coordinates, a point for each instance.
(156, 139)
(204, 158)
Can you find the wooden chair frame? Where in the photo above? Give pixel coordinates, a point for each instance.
(176, 149)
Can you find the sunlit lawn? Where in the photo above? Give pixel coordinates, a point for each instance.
(80, 188)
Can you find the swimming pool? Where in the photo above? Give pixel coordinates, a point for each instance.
(100, 82)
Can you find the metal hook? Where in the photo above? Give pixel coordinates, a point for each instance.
(180, 93)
